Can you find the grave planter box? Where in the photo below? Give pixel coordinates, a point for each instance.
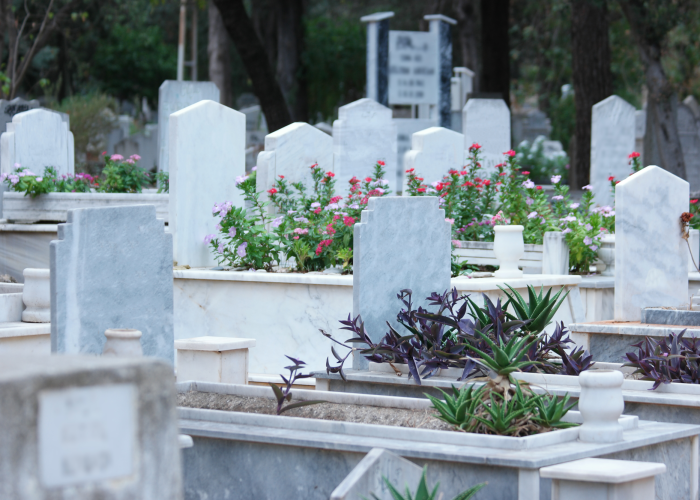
(54, 206)
(283, 312)
(308, 458)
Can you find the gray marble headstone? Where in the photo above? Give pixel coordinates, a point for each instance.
(487, 122)
(8, 109)
(367, 477)
(174, 96)
(112, 268)
(87, 427)
(401, 242)
(689, 132)
(612, 140)
(651, 258)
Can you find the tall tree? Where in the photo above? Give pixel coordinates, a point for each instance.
(467, 14)
(290, 45)
(495, 48)
(241, 30)
(650, 22)
(592, 78)
(218, 49)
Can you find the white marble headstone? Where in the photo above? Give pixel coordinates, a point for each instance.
(434, 152)
(290, 151)
(651, 258)
(363, 134)
(174, 96)
(36, 139)
(405, 128)
(689, 132)
(207, 153)
(8, 109)
(401, 242)
(613, 133)
(487, 122)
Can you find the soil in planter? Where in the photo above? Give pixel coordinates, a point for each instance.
(419, 419)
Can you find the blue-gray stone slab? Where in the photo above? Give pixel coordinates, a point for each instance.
(659, 316)
(112, 268)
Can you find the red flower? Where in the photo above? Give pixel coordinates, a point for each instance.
(500, 165)
(336, 199)
(453, 172)
(368, 179)
(272, 191)
(380, 162)
(439, 186)
(693, 201)
(410, 170)
(359, 193)
(634, 155)
(468, 184)
(611, 178)
(349, 221)
(474, 147)
(510, 153)
(364, 201)
(330, 228)
(503, 173)
(463, 172)
(104, 153)
(354, 180)
(336, 217)
(525, 172)
(421, 190)
(314, 165)
(317, 211)
(486, 183)
(538, 187)
(281, 176)
(330, 174)
(419, 179)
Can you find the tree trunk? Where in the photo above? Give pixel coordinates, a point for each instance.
(592, 78)
(290, 41)
(240, 29)
(218, 49)
(264, 16)
(467, 14)
(662, 102)
(495, 48)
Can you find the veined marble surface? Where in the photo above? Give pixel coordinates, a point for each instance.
(651, 258)
(23, 246)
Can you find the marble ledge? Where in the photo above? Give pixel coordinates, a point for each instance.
(536, 280)
(27, 228)
(597, 282)
(20, 329)
(634, 328)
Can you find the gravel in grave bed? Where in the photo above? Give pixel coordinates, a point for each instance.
(398, 417)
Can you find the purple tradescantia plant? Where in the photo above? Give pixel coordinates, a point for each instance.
(672, 359)
(285, 394)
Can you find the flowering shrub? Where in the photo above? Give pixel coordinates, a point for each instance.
(531, 157)
(123, 176)
(23, 180)
(313, 228)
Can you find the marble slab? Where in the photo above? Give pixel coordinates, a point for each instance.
(434, 151)
(487, 122)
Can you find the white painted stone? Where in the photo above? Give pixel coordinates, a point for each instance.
(36, 296)
(689, 134)
(363, 134)
(487, 122)
(11, 306)
(207, 153)
(400, 243)
(122, 343)
(25, 339)
(640, 125)
(555, 257)
(651, 258)
(290, 151)
(434, 151)
(601, 405)
(603, 479)
(612, 140)
(509, 247)
(174, 96)
(37, 139)
(213, 359)
(406, 127)
(694, 244)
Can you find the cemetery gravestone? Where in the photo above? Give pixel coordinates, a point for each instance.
(88, 428)
(487, 122)
(612, 140)
(174, 96)
(291, 151)
(406, 127)
(211, 134)
(378, 56)
(8, 109)
(687, 124)
(651, 258)
(144, 144)
(36, 139)
(640, 125)
(401, 242)
(112, 268)
(363, 134)
(434, 152)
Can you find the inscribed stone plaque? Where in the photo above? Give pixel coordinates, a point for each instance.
(112, 268)
(86, 434)
(434, 152)
(363, 134)
(174, 96)
(290, 151)
(210, 134)
(651, 258)
(401, 242)
(612, 140)
(487, 122)
(413, 67)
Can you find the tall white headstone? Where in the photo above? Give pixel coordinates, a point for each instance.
(36, 139)
(487, 122)
(651, 258)
(174, 96)
(434, 152)
(689, 133)
(291, 151)
(612, 140)
(8, 109)
(406, 127)
(207, 153)
(363, 134)
(401, 242)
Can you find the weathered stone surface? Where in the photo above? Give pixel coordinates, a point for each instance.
(651, 258)
(290, 151)
(658, 316)
(174, 96)
(433, 152)
(207, 153)
(612, 140)
(363, 134)
(401, 242)
(112, 268)
(487, 122)
(36, 139)
(87, 428)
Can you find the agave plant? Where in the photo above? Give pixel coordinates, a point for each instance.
(422, 492)
(458, 410)
(538, 312)
(550, 411)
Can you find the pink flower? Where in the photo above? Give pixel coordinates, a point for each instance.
(116, 157)
(451, 221)
(135, 157)
(295, 238)
(232, 232)
(349, 221)
(510, 153)
(241, 249)
(634, 155)
(299, 230)
(532, 215)
(457, 243)
(130, 161)
(208, 238)
(39, 179)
